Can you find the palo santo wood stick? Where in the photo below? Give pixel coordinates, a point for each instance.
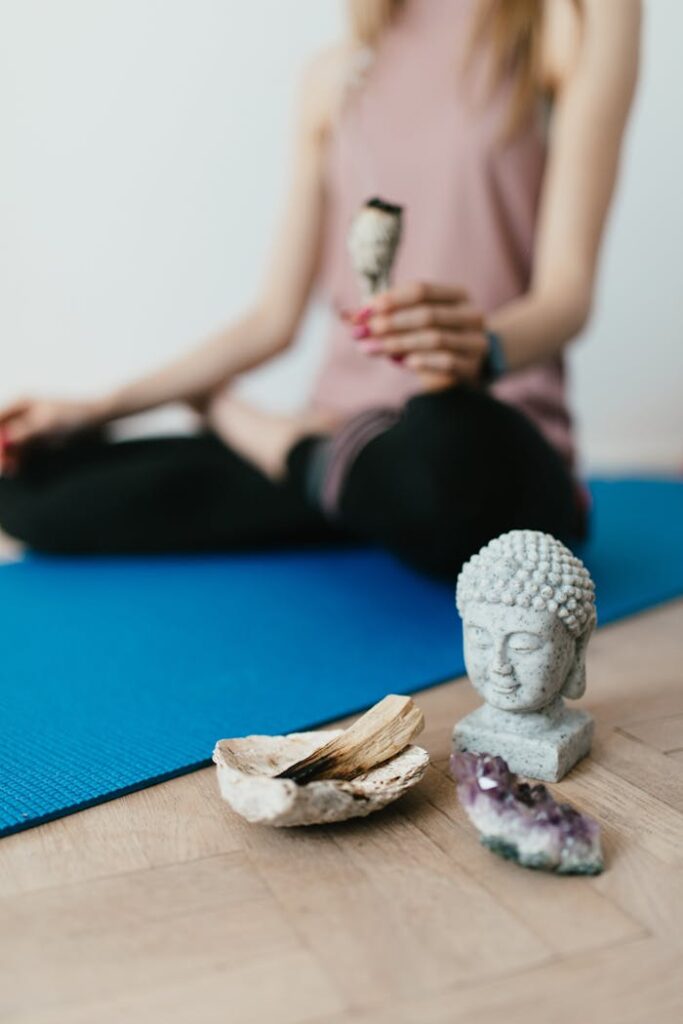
(383, 731)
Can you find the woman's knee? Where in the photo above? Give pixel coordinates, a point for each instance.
(446, 532)
(423, 515)
(429, 496)
(441, 555)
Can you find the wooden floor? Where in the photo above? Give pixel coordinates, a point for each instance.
(164, 907)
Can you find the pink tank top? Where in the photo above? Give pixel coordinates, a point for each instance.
(414, 135)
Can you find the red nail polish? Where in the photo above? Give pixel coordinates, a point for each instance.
(363, 315)
(398, 359)
(362, 331)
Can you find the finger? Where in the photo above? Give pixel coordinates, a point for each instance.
(441, 362)
(15, 409)
(361, 316)
(416, 293)
(466, 343)
(461, 317)
(20, 431)
(471, 342)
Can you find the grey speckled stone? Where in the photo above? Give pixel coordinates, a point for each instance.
(528, 610)
(545, 752)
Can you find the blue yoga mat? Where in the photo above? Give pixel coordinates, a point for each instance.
(118, 673)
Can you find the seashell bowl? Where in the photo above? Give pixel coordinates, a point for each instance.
(246, 768)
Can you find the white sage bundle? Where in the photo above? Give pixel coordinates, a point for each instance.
(373, 240)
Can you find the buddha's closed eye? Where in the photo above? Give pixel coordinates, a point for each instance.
(524, 642)
(479, 636)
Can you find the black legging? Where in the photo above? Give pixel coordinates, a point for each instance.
(456, 469)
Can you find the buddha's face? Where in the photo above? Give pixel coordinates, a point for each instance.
(518, 659)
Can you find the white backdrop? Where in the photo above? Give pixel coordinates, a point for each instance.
(143, 162)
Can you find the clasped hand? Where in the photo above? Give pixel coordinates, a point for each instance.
(432, 329)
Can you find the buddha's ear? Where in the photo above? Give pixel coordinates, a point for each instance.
(575, 683)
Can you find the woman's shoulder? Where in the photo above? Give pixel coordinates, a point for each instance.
(561, 42)
(324, 83)
(571, 26)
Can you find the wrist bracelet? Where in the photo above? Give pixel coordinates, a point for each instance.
(495, 363)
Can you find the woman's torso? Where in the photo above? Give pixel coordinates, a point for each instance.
(415, 134)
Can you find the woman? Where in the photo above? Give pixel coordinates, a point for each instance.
(439, 418)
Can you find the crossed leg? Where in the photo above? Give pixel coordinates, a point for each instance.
(452, 470)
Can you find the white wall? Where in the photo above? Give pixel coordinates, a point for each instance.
(143, 161)
(628, 369)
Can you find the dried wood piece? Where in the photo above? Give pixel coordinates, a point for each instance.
(381, 733)
(246, 767)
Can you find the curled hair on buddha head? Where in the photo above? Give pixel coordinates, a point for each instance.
(532, 570)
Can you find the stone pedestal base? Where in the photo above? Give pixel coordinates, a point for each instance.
(547, 753)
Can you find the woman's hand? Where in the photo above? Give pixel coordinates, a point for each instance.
(432, 329)
(30, 420)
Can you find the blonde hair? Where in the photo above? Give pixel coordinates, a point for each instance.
(511, 29)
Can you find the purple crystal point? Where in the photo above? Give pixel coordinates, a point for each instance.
(524, 822)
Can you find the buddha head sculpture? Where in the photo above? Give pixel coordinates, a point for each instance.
(528, 610)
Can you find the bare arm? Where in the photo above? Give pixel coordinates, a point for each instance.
(593, 99)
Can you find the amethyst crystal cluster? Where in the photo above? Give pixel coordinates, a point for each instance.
(525, 823)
